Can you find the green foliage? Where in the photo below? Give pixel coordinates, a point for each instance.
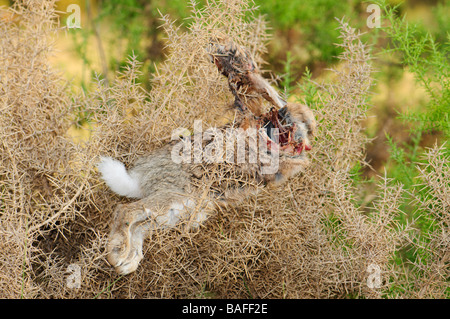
(313, 19)
(401, 158)
(425, 53)
(308, 89)
(421, 52)
(127, 21)
(287, 77)
(138, 20)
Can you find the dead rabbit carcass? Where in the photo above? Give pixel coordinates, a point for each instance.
(173, 189)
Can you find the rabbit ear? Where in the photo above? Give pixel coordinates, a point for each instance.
(271, 95)
(263, 87)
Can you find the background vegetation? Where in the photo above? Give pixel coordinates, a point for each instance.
(385, 173)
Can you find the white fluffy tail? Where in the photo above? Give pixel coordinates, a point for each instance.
(117, 178)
